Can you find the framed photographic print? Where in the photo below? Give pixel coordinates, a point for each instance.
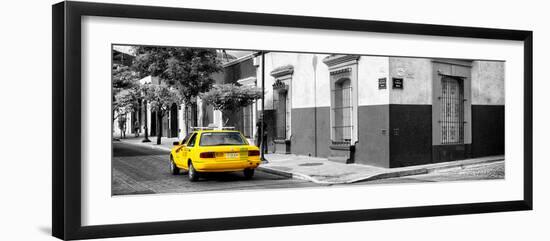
(170, 120)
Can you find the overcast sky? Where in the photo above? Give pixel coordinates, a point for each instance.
(127, 49)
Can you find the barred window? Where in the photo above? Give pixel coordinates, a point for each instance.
(342, 112)
(279, 101)
(452, 111)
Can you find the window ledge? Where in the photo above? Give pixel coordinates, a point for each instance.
(343, 147)
(281, 141)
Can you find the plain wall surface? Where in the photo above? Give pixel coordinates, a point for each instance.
(488, 83)
(26, 96)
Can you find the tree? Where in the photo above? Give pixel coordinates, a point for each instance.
(187, 69)
(125, 95)
(122, 126)
(124, 78)
(160, 97)
(125, 102)
(230, 97)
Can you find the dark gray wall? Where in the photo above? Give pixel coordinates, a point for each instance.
(411, 135)
(323, 131)
(303, 131)
(397, 135)
(487, 130)
(239, 71)
(373, 146)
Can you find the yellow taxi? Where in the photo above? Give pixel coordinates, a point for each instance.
(214, 150)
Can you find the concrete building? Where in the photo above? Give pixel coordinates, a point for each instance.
(375, 110)
(383, 111)
(239, 71)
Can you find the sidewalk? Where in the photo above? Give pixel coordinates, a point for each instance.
(323, 171)
(166, 143)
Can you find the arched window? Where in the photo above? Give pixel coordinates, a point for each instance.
(343, 101)
(342, 111)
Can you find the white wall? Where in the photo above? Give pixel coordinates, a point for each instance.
(488, 83)
(369, 70)
(303, 79)
(417, 81)
(26, 179)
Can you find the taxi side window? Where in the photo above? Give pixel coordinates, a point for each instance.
(191, 142)
(185, 139)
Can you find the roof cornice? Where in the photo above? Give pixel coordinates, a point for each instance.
(282, 71)
(333, 60)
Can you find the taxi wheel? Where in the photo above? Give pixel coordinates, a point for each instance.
(248, 173)
(174, 170)
(192, 174)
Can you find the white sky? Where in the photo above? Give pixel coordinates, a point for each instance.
(127, 49)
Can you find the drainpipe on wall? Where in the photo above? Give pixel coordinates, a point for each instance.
(314, 62)
(263, 114)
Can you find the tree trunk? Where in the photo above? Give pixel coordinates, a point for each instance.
(159, 127)
(113, 116)
(121, 127)
(113, 123)
(185, 120)
(194, 115)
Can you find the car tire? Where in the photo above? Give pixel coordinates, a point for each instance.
(192, 173)
(174, 170)
(248, 173)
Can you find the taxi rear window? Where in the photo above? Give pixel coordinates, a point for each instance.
(221, 139)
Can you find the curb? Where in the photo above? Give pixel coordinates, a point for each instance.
(411, 172)
(152, 146)
(387, 175)
(275, 171)
(295, 175)
(462, 165)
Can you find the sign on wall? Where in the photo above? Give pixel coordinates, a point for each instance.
(381, 83)
(397, 83)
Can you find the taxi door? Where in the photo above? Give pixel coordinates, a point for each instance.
(183, 151)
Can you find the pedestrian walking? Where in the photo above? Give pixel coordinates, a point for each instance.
(261, 142)
(136, 128)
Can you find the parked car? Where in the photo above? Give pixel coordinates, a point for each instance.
(210, 150)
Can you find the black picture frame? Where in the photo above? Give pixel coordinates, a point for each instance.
(66, 140)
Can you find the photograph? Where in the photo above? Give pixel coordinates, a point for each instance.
(194, 119)
(277, 120)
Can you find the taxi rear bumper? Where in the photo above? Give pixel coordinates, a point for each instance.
(225, 166)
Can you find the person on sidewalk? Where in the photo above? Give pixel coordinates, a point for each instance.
(261, 142)
(136, 128)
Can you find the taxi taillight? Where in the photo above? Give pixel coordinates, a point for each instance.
(254, 153)
(208, 155)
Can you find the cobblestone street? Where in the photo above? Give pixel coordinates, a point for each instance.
(144, 170)
(138, 170)
(488, 171)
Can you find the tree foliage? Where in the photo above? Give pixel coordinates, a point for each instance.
(125, 91)
(160, 96)
(124, 78)
(188, 69)
(231, 97)
(126, 101)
